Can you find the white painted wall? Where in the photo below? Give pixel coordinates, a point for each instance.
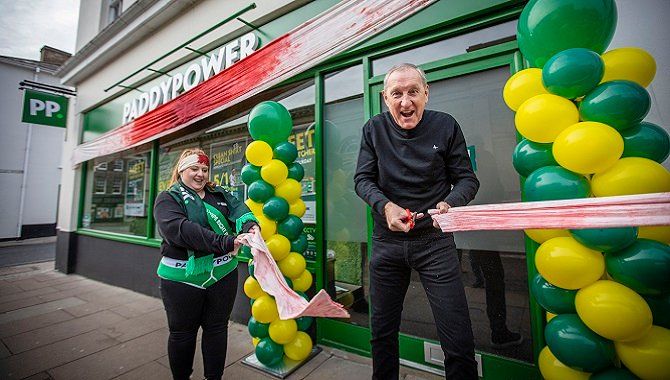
(43, 174)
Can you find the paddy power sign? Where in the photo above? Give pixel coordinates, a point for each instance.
(44, 108)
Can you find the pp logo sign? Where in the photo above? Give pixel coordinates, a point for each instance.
(49, 108)
(44, 108)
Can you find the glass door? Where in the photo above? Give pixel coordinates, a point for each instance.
(493, 263)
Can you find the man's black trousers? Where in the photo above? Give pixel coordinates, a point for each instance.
(188, 308)
(434, 257)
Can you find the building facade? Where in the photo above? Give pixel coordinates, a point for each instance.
(30, 154)
(467, 48)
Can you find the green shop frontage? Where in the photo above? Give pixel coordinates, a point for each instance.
(468, 51)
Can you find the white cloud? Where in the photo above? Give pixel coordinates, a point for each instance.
(27, 25)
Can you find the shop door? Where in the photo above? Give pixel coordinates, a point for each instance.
(493, 264)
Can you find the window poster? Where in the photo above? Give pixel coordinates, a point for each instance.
(167, 160)
(226, 162)
(135, 187)
(303, 138)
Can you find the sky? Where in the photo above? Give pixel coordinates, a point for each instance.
(27, 25)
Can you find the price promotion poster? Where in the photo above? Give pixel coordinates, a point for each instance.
(227, 160)
(303, 138)
(134, 204)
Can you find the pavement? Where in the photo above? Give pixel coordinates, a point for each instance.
(57, 326)
(15, 252)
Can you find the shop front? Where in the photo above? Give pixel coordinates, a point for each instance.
(468, 52)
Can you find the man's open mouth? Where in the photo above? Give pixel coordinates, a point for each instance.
(406, 113)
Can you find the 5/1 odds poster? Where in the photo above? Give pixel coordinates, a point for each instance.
(226, 162)
(134, 204)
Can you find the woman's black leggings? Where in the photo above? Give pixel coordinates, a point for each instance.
(187, 309)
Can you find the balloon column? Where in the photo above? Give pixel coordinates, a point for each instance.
(580, 111)
(274, 189)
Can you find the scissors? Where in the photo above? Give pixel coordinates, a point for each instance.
(411, 217)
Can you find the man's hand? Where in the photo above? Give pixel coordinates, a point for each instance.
(442, 207)
(396, 218)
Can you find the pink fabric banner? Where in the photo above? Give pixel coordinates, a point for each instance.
(289, 303)
(332, 32)
(606, 212)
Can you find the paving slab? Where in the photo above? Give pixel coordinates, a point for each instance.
(149, 371)
(60, 331)
(129, 329)
(336, 368)
(115, 361)
(43, 308)
(32, 323)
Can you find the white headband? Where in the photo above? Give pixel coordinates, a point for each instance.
(190, 160)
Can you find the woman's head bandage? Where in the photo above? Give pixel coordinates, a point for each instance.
(192, 159)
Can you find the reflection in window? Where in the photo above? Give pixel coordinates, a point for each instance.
(117, 200)
(346, 226)
(444, 48)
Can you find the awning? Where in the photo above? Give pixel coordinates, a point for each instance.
(326, 35)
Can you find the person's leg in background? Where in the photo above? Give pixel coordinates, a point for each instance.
(218, 306)
(496, 306)
(184, 307)
(389, 280)
(437, 262)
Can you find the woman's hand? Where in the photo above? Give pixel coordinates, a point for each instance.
(255, 229)
(238, 242)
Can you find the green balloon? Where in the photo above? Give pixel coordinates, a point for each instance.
(576, 346)
(296, 171)
(547, 27)
(552, 298)
(606, 239)
(621, 104)
(251, 268)
(614, 374)
(643, 266)
(555, 182)
(299, 245)
(646, 140)
(286, 152)
(258, 329)
(660, 309)
(250, 174)
(289, 282)
(270, 122)
(251, 301)
(303, 295)
(276, 208)
(291, 227)
(260, 191)
(573, 73)
(529, 156)
(269, 353)
(304, 323)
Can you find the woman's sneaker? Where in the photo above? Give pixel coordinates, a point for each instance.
(505, 339)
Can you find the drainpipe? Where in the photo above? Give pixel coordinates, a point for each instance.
(26, 158)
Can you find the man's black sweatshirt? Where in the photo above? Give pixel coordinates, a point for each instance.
(413, 168)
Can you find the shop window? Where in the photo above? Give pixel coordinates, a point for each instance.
(444, 48)
(345, 213)
(118, 165)
(123, 208)
(111, 10)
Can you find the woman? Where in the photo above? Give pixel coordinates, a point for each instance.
(199, 223)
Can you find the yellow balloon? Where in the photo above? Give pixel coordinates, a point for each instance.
(522, 86)
(252, 288)
(552, 369)
(631, 175)
(542, 235)
(264, 309)
(292, 265)
(588, 147)
(289, 190)
(299, 348)
(279, 246)
(255, 207)
(542, 117)
(274, 172)
(630, 63)
(255, 341)
(565, 263)
(258, 153)
(302, 282)
(297, 208)
(648, 357)
(283, 331)
(268, 226)
(658, 233)
(613, 311)
(550, 316)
